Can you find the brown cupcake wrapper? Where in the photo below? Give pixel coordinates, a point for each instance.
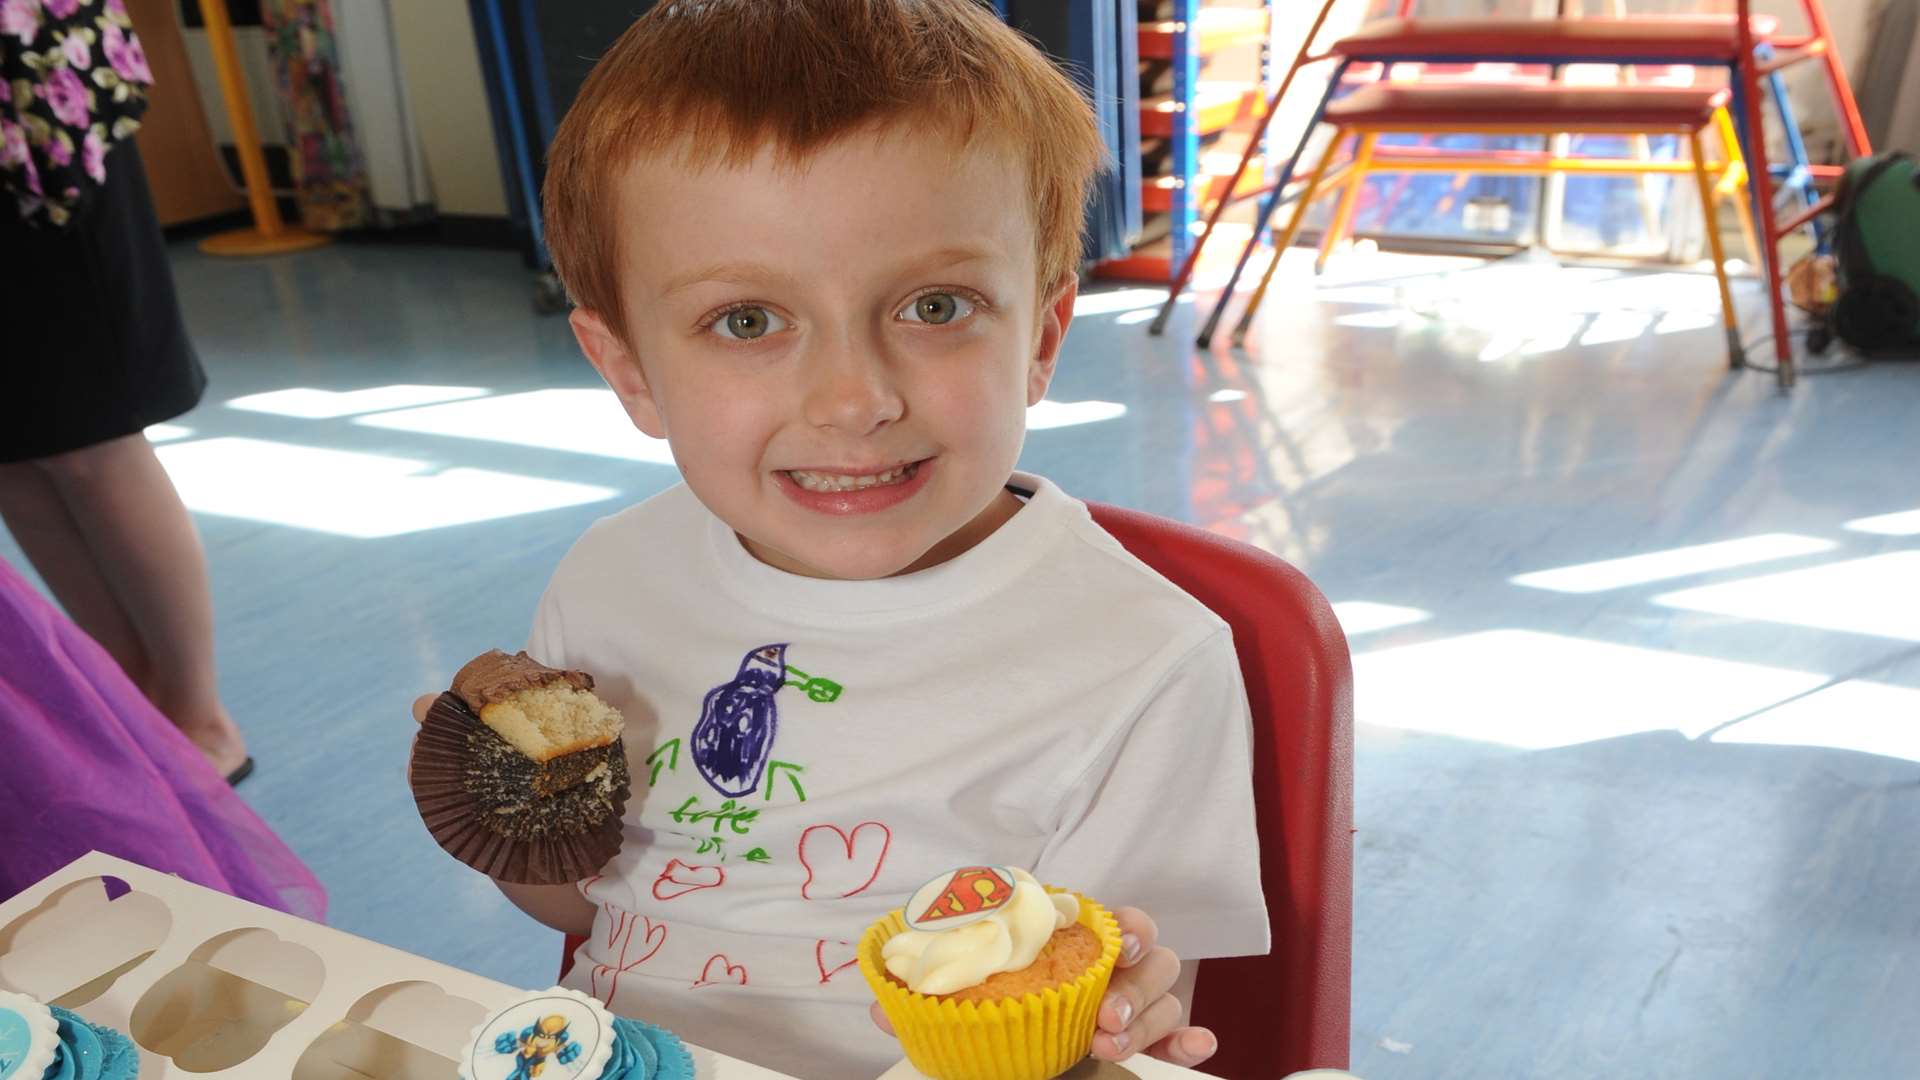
(443, 784)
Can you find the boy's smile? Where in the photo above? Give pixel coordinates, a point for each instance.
(840, 354)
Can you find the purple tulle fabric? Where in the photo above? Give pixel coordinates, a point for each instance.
(87, 763)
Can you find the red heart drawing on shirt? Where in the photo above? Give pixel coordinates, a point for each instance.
(840, 949)
(839, 864)
(679, 879)
(621, 932)
(730, 972)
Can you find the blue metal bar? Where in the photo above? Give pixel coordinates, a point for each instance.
(521, 187)
(1798, 177)
(537, 75)
(1185, 140)
(1740, 106)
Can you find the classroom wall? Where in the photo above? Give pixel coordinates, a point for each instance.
(440, 63)
(440, 66)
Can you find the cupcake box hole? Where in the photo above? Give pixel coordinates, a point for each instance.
(219, 1007)
(72, 947)
(403, 1031)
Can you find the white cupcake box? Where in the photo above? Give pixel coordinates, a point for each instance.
(215, 988)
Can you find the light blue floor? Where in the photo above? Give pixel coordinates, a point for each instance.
(1636, 830)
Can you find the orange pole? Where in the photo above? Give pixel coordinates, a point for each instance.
(1285, 240)
(269, 235)
(1736, 353)
(1343, 211)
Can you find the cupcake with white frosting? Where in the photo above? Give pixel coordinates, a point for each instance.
(988, 975)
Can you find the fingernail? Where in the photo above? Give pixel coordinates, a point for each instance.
(1129, 948)
(1120, 1042)
(1198, 1045)
(1122, 1008)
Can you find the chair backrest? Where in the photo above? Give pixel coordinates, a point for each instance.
(1287, 1010)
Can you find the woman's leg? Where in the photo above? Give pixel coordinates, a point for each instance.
(37, 517)
(142, 544)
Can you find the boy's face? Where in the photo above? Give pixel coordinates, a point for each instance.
(842, 356)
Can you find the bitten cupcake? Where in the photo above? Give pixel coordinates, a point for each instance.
(519, 771)
(562, 1034)
(41, 1042)
(988, 975)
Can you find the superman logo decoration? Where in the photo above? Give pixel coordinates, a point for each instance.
(959, 897)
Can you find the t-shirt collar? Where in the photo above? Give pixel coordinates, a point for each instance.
(1012, 548)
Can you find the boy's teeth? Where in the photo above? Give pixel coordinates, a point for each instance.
(816, 481)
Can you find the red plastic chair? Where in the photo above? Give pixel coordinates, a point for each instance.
(1288, 1010)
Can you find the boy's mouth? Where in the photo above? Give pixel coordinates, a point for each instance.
(830, 482)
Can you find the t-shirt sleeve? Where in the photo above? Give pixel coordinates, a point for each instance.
(1163, 819)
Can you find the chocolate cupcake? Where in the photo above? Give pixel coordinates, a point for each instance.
(520, 773)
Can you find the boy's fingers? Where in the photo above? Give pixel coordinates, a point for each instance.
(1138, 935)
(1147, 1030)
(1135, 989)
(1188, 1046)
(420, 706)
(880, 1018)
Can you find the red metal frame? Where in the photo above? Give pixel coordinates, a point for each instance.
(1746, 72)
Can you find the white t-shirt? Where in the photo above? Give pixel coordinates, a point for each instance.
(806, 753)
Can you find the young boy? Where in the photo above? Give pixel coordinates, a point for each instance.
(827, 249)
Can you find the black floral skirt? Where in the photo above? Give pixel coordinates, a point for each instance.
(92, 343)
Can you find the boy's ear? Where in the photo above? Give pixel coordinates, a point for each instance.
(616, 364)
(1055, 316)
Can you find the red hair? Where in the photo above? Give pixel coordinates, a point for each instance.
(800, 74)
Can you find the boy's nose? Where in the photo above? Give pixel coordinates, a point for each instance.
(852, 392)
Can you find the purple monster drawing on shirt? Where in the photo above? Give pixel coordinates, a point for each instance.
(733, 741)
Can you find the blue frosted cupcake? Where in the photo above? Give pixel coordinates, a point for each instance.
(38, 1042)
(562, 1034)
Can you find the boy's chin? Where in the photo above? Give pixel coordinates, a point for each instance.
(862, 562)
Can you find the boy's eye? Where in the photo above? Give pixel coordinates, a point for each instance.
(938, 308)
(748, 323)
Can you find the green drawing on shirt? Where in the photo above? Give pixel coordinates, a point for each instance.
(817, 689)
(667, 757)
(729, 813)
(672, 762)
(793, 777)
(717, 845)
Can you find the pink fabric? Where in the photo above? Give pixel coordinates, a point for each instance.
(86, 763)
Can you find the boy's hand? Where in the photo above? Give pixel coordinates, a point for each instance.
(561, 907)
(420, 706)
(1140, 1014)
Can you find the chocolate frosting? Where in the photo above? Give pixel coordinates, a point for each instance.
(494, 676)
(479, 799)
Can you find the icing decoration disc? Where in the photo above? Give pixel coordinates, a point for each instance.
(29, 1037)
(556, 1034)
(959, 897)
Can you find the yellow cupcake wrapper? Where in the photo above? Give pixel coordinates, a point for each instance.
(1034, 1037)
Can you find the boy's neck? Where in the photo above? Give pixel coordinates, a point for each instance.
(984, 524)
(1006, 503)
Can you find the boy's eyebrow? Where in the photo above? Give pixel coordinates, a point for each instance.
(953, 256)
(740, 273)
(737, 273)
